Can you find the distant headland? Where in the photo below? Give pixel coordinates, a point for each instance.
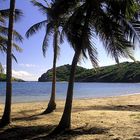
(123, 72)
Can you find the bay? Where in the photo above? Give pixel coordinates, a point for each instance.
(40, 91)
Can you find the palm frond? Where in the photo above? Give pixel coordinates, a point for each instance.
(124, 13)
(48, 32)
(112, 34)
(18, 14)
(132, 30)
(5, 14)
(3, 48)
(117, 46)
(17, 48)
(14, 58)
(35, 28)
(16, 35)
(126, 8)
(3, 45)
(2, 21)
(3, 30)
(41, 7)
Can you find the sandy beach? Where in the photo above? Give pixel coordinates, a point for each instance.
(113, 118)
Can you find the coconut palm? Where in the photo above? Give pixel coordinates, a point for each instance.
(107, 19)
(4, 14)
(6, 118)
(4, 32)
(51, 25)
(3, 39)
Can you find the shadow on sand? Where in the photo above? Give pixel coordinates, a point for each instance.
(26, 118)
(74, 133)
(42, 133)
(133, 108)
(22, 133)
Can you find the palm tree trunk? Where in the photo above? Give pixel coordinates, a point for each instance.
(6, 118)
(52, 105)
(65, 122)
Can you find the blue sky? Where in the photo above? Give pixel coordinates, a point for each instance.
(31, 63)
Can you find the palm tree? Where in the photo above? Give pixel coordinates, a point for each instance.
(4, 15)
(111, 22)
(52, 28)
(4, 32)
(6, 118)
(3, 39)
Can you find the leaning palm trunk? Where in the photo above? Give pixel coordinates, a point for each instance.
(6, 118)
(52, 105)
(65, 122)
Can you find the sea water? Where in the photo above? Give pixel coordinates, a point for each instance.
(40, 91)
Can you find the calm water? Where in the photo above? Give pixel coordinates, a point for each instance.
(38, 91)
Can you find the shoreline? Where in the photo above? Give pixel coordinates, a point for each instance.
(87, 98)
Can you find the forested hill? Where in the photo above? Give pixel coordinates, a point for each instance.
(3, 78)
(124, 72)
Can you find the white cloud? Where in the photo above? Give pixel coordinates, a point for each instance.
(28, 65)
(24, 75)
(20, 73)
(4, 66)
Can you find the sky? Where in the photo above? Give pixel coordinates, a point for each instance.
(31, 62)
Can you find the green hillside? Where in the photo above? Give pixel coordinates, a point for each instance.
(3, 78)
(124, 72)
(63, 73)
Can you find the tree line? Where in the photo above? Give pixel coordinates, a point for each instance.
(115, 22)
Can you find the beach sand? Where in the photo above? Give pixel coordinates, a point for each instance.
(113, 118)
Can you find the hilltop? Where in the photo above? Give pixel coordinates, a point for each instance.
(124, 72)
